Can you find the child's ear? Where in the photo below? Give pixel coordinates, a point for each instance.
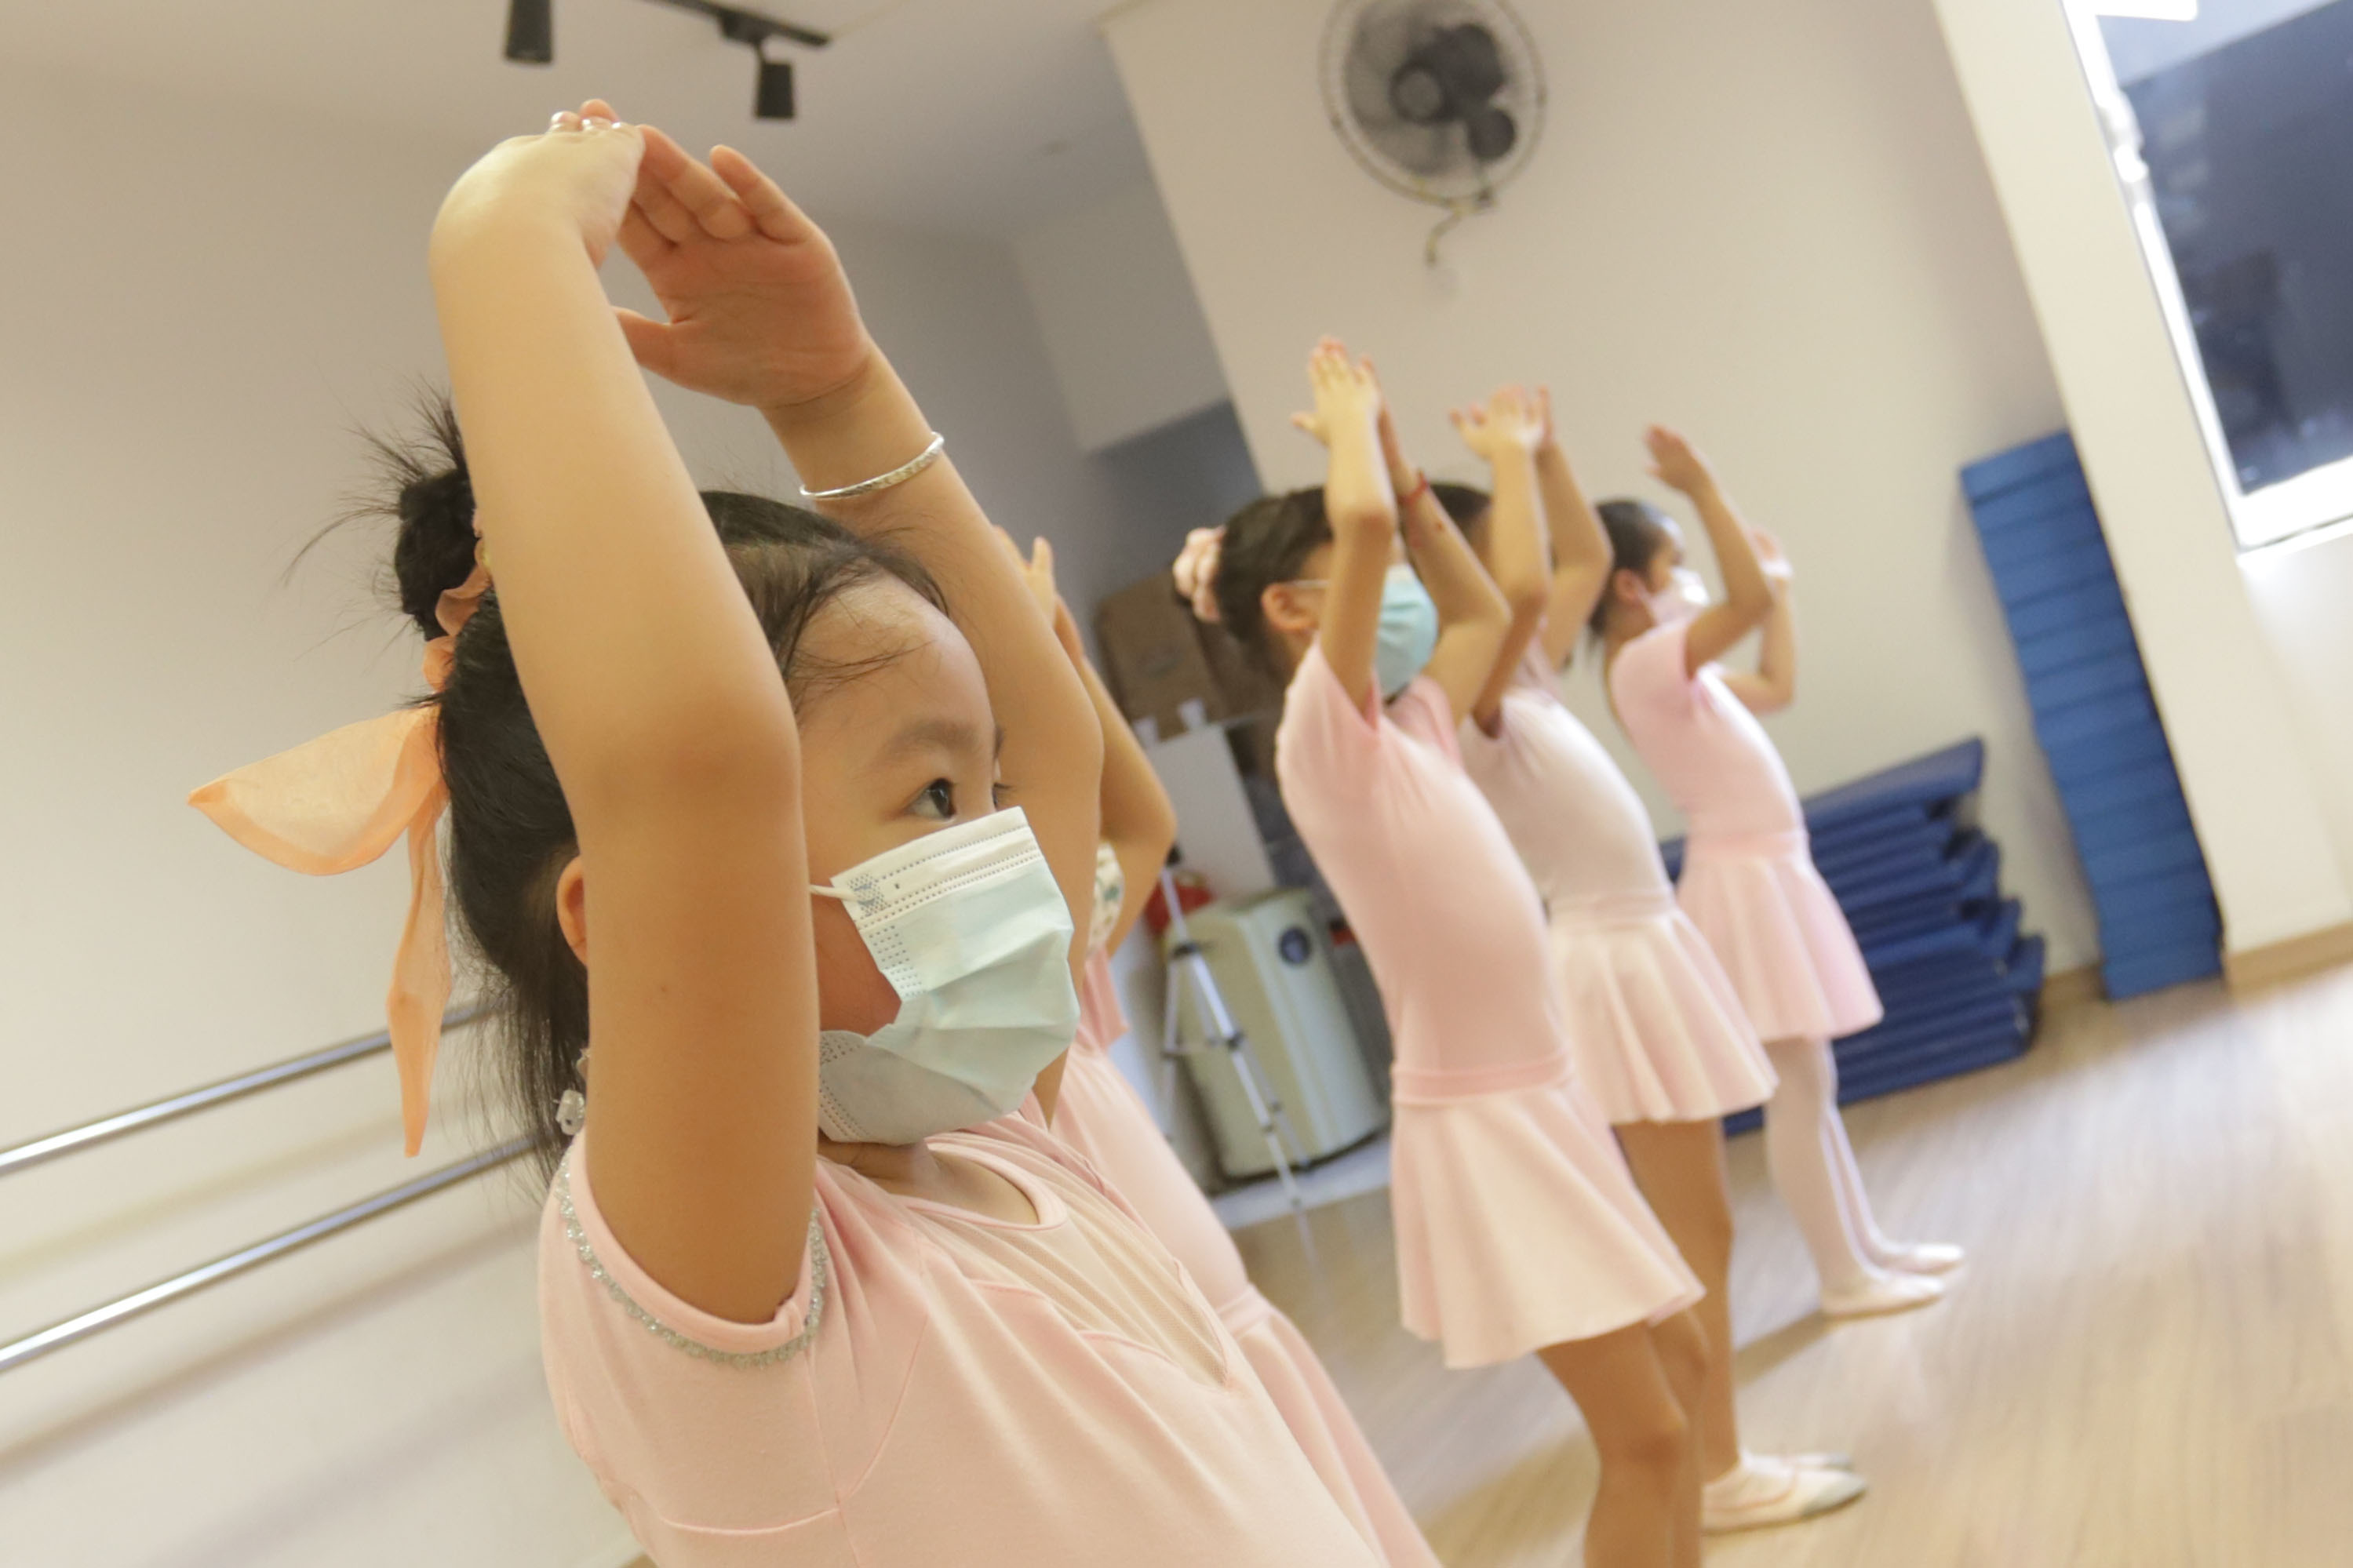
(1627, 586)
(1284, 609)
(572, 909)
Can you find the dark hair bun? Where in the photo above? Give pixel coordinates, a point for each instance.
(433, 498)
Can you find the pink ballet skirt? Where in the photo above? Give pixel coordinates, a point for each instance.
(1780, 934)
(1656, 1031)
(1748, 879)
(1518, 1225)
(1101, 1116)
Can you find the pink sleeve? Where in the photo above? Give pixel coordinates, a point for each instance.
(1649, 673)
(1422, 711)
(695, 1425)
(1324, 737)
(1102, 1019)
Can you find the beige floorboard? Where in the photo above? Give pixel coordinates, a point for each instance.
(2148, 1363)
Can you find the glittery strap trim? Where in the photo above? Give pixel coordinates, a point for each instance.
(820, 1280)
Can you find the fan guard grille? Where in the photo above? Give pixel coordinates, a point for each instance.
(1364, 44)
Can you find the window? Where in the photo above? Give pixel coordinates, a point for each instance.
(2232, 122)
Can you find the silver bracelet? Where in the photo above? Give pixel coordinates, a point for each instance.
(898, 476)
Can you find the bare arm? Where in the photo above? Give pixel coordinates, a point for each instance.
(1580, 549)
(1774, 685)
(1747, 597)
(1505, 431)
(1362, 510)
(1139, 820)
(657, 697)
(760, 313)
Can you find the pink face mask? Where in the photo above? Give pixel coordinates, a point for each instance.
(1683, 596)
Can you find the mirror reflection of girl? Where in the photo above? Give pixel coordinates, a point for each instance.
(1519, 1230)
(1658, 1034)
(1748, 878)
(809, 1292)
(1100, 1115)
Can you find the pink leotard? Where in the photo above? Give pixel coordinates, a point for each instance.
(942, 1388)
(1748, 879)
(1656, 1030)
(1517, 1225)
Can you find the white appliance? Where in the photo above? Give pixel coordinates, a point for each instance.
(1273, 964)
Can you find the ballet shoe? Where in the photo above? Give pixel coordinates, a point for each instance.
(1882, 1291)
(1762, 1490)
(1922, 1257)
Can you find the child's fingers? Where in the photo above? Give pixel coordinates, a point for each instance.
(761, 196)
(703, 193)
(1041, 557)
(664, 212)
(648, 340)
(642, 242)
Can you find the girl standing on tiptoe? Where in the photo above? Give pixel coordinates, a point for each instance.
(1657, 1033)
(1518, 1229)
(722, 782)
(1100, 1115)
(1748, 878)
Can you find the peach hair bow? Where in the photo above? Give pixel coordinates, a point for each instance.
(338, 803)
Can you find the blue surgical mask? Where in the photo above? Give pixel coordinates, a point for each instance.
(971, 930)
(1409, 630)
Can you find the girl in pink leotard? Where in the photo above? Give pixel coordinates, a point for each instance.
(1519, 1230)
(1101, 1116)
(1748, 879)
(810, 1292)
(1657, 1031)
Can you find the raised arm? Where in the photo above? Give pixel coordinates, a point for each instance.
(1506, 432)
(1580, 546)
(1747, 597)
(1139, 820)
(657, 697)
(1774, 684)
(760, 313)
(1361, 509)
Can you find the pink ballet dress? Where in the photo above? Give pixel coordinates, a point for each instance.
(1748, 879)
(1100, 1115)
(1655, 1029)
(1517, 1223)
(942, 1388)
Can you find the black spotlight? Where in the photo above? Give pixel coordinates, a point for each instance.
(775, 97)
(530, 31)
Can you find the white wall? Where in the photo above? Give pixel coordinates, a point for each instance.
(1767, 224)
(1121, 324)
(2244, 769)
(206, 299)
(2301, 591)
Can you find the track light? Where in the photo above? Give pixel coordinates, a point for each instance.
(773, 96)
(774, 99)
(530, 31)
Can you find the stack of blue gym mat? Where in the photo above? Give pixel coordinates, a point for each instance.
(2095, 718)
(1922, 887)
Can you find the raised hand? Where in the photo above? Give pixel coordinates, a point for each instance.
(760, 311)
(1676, 463)
(582, 167)
(1549, 434)
(1772, 560)
(1037, 570)
(1509, 424)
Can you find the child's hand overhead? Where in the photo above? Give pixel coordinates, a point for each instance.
(1771, 559)
(1036, 571)
(1509, 424)
(760, 311)
(1676, 463)
(581, 168)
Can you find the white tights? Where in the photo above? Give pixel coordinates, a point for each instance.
(1813, 1166)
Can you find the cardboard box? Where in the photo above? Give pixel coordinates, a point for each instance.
(1153, 655)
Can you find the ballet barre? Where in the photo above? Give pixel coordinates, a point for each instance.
(23, 1156)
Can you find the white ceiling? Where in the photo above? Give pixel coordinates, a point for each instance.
(983, 116)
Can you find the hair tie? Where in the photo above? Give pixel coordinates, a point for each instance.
(338, 803)
(1197, 572)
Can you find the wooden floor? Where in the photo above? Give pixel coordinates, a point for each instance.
(2148, 1363)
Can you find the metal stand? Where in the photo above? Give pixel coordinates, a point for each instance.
(1188, 968)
